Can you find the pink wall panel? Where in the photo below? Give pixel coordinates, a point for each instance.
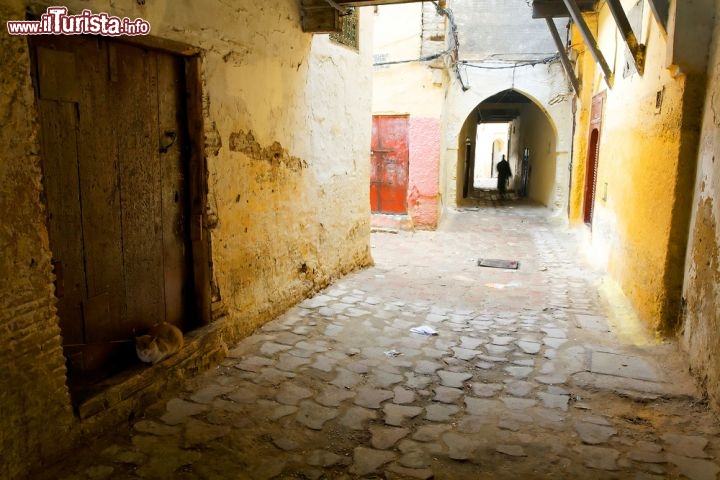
(424, 137)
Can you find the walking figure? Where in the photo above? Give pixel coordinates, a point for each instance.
(504, 173)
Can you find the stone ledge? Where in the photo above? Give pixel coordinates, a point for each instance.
(134, 390)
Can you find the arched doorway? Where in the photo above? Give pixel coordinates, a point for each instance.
(591, 176)
(507, 123)
(593, 153)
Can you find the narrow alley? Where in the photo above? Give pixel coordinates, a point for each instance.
(527, 376)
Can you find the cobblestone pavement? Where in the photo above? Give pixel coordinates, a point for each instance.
(525, 377)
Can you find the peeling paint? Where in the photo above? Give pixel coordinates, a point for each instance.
(701, 332)
(275, 154)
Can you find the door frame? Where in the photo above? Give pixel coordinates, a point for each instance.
(592, 157)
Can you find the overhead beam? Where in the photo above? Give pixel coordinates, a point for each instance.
(569, 71)
(589, 40)
(637, 50)
(318, 16)
(661, 12)
(323, 16)
(556, 8)
(365, 3)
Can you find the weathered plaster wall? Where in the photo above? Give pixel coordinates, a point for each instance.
(540, 137)
(295, 171)
(424, 138)
(34, 400)
(700, 336)
(287, 118)
(643, 169)
(497, 29)
(546, 85)
(415, 89)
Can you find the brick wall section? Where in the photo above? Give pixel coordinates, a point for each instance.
(433, 30)
(35, 409)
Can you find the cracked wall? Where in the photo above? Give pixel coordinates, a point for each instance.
(287, 132)
(700, 332)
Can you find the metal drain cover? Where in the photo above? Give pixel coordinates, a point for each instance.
(496, 263)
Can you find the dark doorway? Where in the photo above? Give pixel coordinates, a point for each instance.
(389, 164)
(593, 154)
(114, 142)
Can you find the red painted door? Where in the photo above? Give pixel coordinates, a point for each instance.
(591, 168)
(389, 159)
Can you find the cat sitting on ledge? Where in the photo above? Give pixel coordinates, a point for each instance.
(161, 341)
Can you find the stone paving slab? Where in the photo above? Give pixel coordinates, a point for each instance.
(522, 377)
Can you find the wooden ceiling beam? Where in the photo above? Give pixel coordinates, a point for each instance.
(567, 65)
(589, 39)
(660, 9)
(323, 16)
(317, 16)
(637, 50)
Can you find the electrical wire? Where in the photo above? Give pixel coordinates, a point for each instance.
(343, 11)
(452, 52)
(529, 63)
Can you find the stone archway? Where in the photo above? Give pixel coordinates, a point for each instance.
(531, 139)
(550, 97)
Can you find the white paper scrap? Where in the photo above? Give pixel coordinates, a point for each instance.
(424, 330)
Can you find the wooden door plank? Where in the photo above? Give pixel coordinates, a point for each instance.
(136, 126)
(100, 195)
(58, 129)
(197, 190)
(173, 140)
(57, 75)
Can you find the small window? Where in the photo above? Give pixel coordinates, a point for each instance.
(348, 36)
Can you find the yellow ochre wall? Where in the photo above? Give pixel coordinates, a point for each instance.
(637, 212)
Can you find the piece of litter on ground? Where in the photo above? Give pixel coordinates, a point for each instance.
(497, 263)
(392, 353)
(500, 286)
(424, 330)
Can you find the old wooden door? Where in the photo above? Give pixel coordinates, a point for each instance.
(113, 138)
(389, 164)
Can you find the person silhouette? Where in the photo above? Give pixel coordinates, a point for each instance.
(504, 173)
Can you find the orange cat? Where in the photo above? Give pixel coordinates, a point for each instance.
(161, 341)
